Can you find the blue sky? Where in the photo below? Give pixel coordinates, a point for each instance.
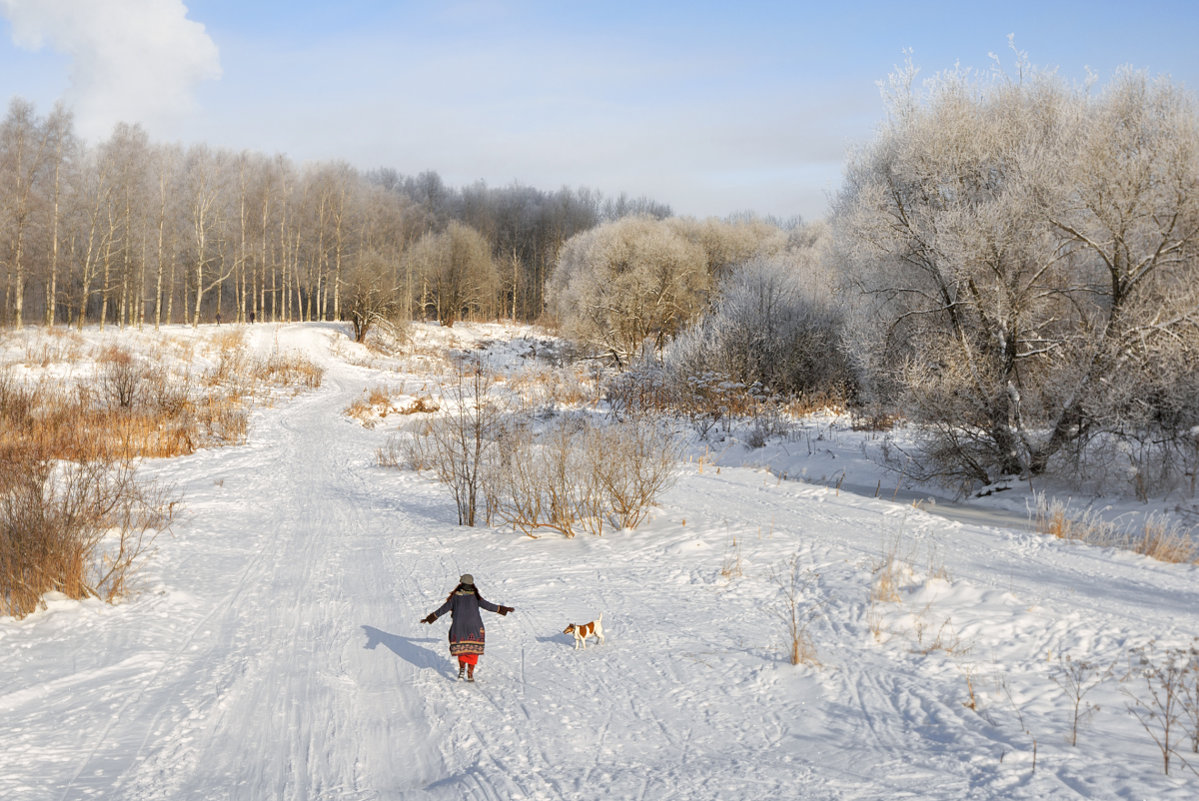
(714, 108)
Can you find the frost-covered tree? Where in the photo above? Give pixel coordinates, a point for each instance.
(1019, 243)
(628, 283)
(1126, 209)
(773, 322)
(727, 243)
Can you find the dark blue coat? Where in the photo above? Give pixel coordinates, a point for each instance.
(466, 626)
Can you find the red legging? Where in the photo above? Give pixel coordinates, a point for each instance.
(468, 659)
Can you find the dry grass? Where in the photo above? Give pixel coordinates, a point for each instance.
(378, 402)
(875, 421)
(1158, 537)
(711, 396)
(1164, 540)
(797, 609)
(55, 346)
(288, 370)
(422, 405)
(815, 403)
(73, 516)
(238, 368)
(705, 396)
(945, 638)
(547, 386)
(1055, 519)
(730, 567)
(75, 527)
(894, 570)
(889, 573)
(154, 415)
(369, 406)
(425, 358)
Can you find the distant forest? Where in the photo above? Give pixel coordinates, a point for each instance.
(133, 232)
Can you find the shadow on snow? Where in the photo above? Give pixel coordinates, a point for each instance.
(407, 648)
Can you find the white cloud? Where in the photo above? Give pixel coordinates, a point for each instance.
(131, 60)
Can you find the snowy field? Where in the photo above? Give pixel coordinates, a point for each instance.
(273, 651)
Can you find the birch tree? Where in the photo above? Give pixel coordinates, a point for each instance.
(26, 148)
(455, 272)
(205, 187)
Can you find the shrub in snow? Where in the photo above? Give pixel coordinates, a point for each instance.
(121, 376)
(370, 298)
(79, 528)
(1158, 699)
(565, 474)
(772, 325)
(796, 609)
(1077, 677)
(458, 445)
(579, 475)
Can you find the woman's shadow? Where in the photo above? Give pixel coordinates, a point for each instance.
(406, 648)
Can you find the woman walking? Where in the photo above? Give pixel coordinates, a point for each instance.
(466, 625)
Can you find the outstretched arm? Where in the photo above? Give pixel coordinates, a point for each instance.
(441, 610)
(490, 607)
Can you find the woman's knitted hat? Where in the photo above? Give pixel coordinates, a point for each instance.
(467, 579)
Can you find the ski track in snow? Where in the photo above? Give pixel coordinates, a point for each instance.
(275, 652)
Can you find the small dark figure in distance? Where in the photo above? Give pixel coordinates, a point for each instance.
(218, 318)
(466, 626)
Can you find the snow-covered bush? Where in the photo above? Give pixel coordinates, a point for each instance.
(633, 461)
(772, 324)
(546, 482)
(569, 474)
(370, 298)
(121, 376)
(1159, 696)
(772, 334)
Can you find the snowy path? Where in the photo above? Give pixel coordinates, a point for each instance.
(292, 667)
(275, 652)
(260, 685)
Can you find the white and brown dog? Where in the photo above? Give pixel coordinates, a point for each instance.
(584, 630)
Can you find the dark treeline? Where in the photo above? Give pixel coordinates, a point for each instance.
(134, 232)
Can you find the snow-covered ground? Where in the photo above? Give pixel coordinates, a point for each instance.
(273, 649)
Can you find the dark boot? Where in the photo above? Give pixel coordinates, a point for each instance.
(461, 669)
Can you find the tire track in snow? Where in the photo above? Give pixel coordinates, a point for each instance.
(232, 662)
(148, 691)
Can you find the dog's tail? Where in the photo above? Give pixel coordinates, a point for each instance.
(601, 617)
